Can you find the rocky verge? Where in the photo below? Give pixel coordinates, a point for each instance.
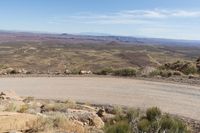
(29, 115)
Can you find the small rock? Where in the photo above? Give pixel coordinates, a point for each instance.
(101, 112)
(67, 72)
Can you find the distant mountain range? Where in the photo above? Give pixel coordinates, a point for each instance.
(93, 38)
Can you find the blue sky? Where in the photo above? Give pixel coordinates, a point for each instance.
(177, 19)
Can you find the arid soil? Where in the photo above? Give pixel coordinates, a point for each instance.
(173, 98)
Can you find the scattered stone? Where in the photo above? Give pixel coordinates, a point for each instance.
(101, 112)
(85, 72)
(67, 72)
(42, 109)
(193, 76)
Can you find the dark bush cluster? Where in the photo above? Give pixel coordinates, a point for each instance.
(105, 71)
(125, 72)
(181, 66)
(153, 121)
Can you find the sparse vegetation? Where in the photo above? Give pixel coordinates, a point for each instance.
(125, 72)
(69, 116)
(11, 107)
(181, 66)
(151, 122)
(56, 122)
(105, 71)
(23, 108)
(153, 114)
(119, 127)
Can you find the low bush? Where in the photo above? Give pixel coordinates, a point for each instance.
(23, 108)
(177, 73)
(181, 66)
(11, 107)
(190, 69)
(56, 107)
(55, 122)
(105, 71)
(169, 124)
(153, 113)
(150, 122)
(154, 73)
(75, 72)
(162, 73)
(166, 73)
(132, 114)
(119, 127)
(117, 110)
(144, 125)
(125, 72)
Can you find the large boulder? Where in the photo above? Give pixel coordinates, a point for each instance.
(10, 101)
(15, 121)
(10, 95)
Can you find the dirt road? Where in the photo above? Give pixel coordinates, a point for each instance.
(173, 98)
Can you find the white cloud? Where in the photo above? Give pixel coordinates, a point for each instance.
(128, 16)
(183, 24)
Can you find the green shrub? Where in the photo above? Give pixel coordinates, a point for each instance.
(177, 73)
(181, 66)
(75, 71)
(170, 124)
(105, 71)
(23, 108)
(152, 122)
(56, 107)
(144, 125)
(166, 73)
(132, 114)
(2, 66)
(125, 72)
(120, 127)
(11, 107)
(154, 73)
(153, 113)
(190, 69)
(117, 110)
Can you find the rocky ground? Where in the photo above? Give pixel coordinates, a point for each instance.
(29, 115)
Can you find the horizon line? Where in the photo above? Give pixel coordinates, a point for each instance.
(105, 35)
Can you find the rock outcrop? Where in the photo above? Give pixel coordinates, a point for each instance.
(86, 117)
(10, 121)
(9, 95)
